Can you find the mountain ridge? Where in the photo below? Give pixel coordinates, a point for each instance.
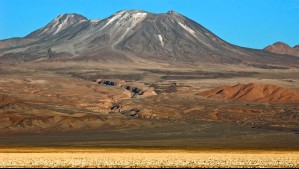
(60, 23)
(169, 37)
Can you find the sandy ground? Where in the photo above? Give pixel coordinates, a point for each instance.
(151, 159)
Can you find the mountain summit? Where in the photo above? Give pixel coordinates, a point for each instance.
(57, 25)
(283, 48)
(168, 37)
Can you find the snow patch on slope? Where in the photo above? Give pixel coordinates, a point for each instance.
(59, 27)
(95, 21)
(139, 16)
(124, 22)
(44, 31)
(115, 17)
(62, 25)
(124, 18)
(191, 31)
(161, 40)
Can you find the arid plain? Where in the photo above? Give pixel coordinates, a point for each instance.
(46, 105)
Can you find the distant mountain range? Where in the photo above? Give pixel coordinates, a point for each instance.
(283, 48)
(168, 37)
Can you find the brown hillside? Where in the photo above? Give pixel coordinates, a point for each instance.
(282, 48)
(4, 99)
(254, 93)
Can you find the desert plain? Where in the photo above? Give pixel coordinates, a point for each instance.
(72, 114)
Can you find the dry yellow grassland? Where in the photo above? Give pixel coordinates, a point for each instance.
(150, 159)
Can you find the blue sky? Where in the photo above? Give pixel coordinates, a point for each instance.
(248, 23)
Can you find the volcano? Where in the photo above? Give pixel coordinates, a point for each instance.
(168, 37)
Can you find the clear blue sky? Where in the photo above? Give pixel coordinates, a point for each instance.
(249, 23)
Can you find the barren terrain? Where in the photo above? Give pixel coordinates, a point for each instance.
(91, 104)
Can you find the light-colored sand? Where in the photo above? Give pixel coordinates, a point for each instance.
(152, 159)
